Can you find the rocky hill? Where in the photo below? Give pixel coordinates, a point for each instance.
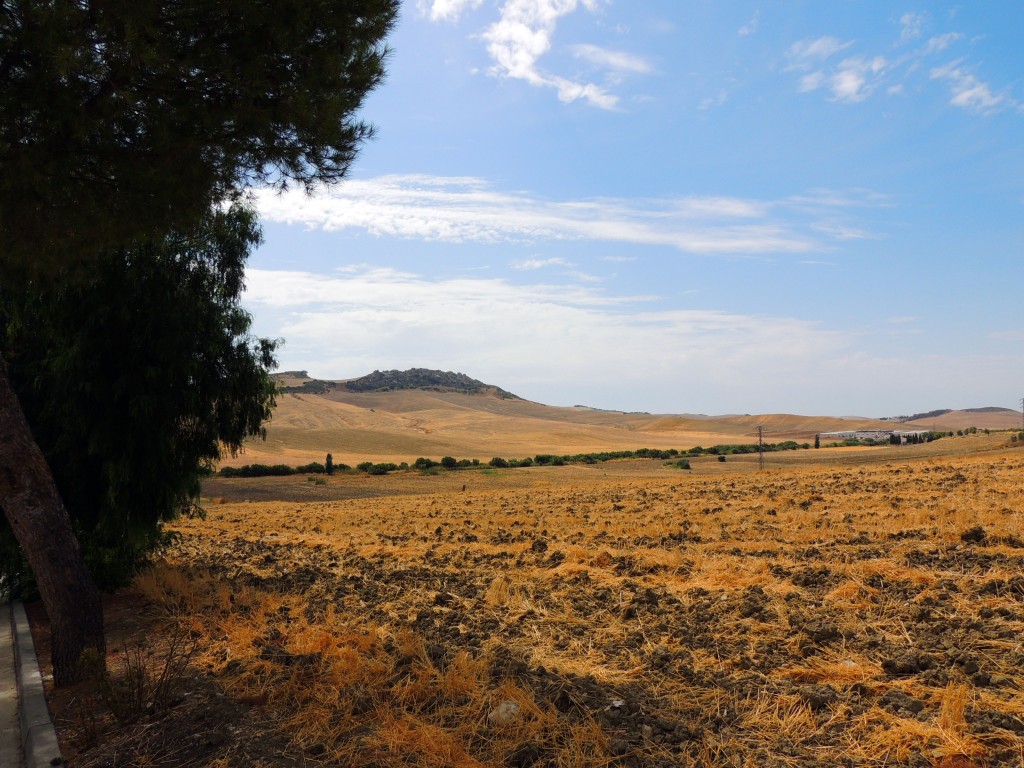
(423, 378)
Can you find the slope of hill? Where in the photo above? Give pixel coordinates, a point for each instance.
(398, 416)
(982, 418)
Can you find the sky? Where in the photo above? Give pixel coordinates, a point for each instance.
(675, 206)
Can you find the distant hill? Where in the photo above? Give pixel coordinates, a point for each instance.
(300, 382)
(425, 379)
(989, 417)
(916, 416)
(401, 415)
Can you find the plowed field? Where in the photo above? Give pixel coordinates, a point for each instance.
(806, 616)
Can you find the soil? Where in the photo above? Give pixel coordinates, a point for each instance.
(835, 616)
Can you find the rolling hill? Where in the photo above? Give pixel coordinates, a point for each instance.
(400, 415)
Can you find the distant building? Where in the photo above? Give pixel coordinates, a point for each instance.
(874, 434)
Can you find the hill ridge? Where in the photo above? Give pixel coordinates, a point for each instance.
(427, 379)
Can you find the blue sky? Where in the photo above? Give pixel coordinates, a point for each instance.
(681, 207)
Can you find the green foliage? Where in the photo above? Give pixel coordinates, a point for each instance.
(120, 121)
(329, 464)
(257, 470)
(683, 463)
(498, 462)
(449, 462)
(135, 379)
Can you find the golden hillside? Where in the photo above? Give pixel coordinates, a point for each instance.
(400, 425)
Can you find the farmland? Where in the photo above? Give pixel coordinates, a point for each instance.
(858, 608)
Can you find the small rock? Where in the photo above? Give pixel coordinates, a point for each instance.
(909, 663)
(818, 697)
(896, 700)
(975, 535)
(619, 747)
(503, 714)
(981, 679)
(970, 666)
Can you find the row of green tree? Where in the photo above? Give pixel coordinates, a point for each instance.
(541, 459)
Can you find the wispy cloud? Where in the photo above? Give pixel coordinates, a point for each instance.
(575, 342)
(751, 26)
(855, 78)
(912, 24)
(595, 345)
(940, 43)
(531, 264)
(616, 61)
(968, 92)
(805, 54)
(447, 10)
(471, 210)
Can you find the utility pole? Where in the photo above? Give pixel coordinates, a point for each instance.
(760, 447)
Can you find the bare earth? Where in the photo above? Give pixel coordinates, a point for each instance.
(856, 608)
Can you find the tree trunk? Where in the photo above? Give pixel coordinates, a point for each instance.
(42, 527)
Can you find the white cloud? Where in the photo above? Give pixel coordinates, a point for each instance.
(522, 36)
(806, 54)
(942, 42)
(812, 81)
(857, 78)
(531, 264)
(751, 26)
(571, 343)
(447, 10)
(842, 232)
(968, 92)
(710, 102)
(471, 210)
(571, 338)
(616, 61)
(912, 24)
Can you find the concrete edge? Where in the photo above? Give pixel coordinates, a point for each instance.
(10, 722)
(38, 736)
